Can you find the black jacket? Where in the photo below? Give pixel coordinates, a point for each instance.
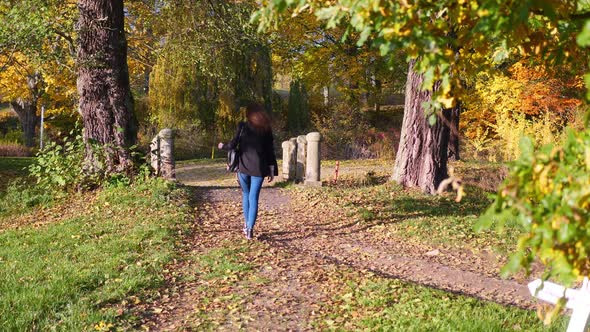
(257, 152)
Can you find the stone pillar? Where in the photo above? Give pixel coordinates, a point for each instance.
(312, 171)
(162, 155)
(293, 158)
(289, 158)
(286, 160)
(167, 154)
(301, 158)
(155, 161)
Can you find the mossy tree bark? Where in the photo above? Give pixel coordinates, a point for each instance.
(106, 103)
(421, 159)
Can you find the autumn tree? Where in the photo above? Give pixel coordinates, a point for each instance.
(36, 58)
(142, 19)
(446, 40)
(218, 63)
(22, 85)
(521, 97)
(307, 50)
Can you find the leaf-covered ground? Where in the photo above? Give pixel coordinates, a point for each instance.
(358, 254)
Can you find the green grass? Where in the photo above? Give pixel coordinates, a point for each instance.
(15, 164)
(221, 262)
(64, 275)
(379, 304)
(18, 197)
(12, 168)
(4, 107)
(202, 161)
(387, 208)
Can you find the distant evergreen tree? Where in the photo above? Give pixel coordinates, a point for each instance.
(298, 108)
(293, 107)
(304, 113)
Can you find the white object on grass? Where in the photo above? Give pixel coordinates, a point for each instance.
(576, 299)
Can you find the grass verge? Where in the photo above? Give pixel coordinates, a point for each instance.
(388, 210)
(372, 303)
(12, 168)
(64, 275)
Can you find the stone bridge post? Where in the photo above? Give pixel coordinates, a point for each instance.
(289, 159)
(312, 169)
(301, 158)
(162, 154)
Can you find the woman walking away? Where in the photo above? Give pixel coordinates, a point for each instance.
(256, 160)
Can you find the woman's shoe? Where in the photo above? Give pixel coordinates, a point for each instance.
(249, 234)
(245, 230)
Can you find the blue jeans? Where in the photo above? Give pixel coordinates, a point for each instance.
(251, 186)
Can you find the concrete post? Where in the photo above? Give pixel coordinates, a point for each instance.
(162, 154)
(167, 154)
(292, 158)
(301, 158)
(286, 160)
(155, 160)
(289, 158)
(312, 172)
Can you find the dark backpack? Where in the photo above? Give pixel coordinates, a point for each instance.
(233, 160)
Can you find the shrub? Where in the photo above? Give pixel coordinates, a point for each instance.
(510, 129)
(502, 142)
(58, 168)
(347, 134)
(13, 136)
(8, 122)
(547, 193)
(20, 196)
(14, 150)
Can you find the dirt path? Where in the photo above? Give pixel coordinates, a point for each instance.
(327, 235)
(288, 292)
(299, 246)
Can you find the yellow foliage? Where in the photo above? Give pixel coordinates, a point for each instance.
(13, 79)
(57, 86)
(482, 143)
(141, 41)
(226, 117)
(525, 101)
(510, 128)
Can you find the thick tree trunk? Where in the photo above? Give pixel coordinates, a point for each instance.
(454, 133)
(106, 103)
(421, 159)
(26, 111)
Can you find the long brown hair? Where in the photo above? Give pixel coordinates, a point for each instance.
(257, 118)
